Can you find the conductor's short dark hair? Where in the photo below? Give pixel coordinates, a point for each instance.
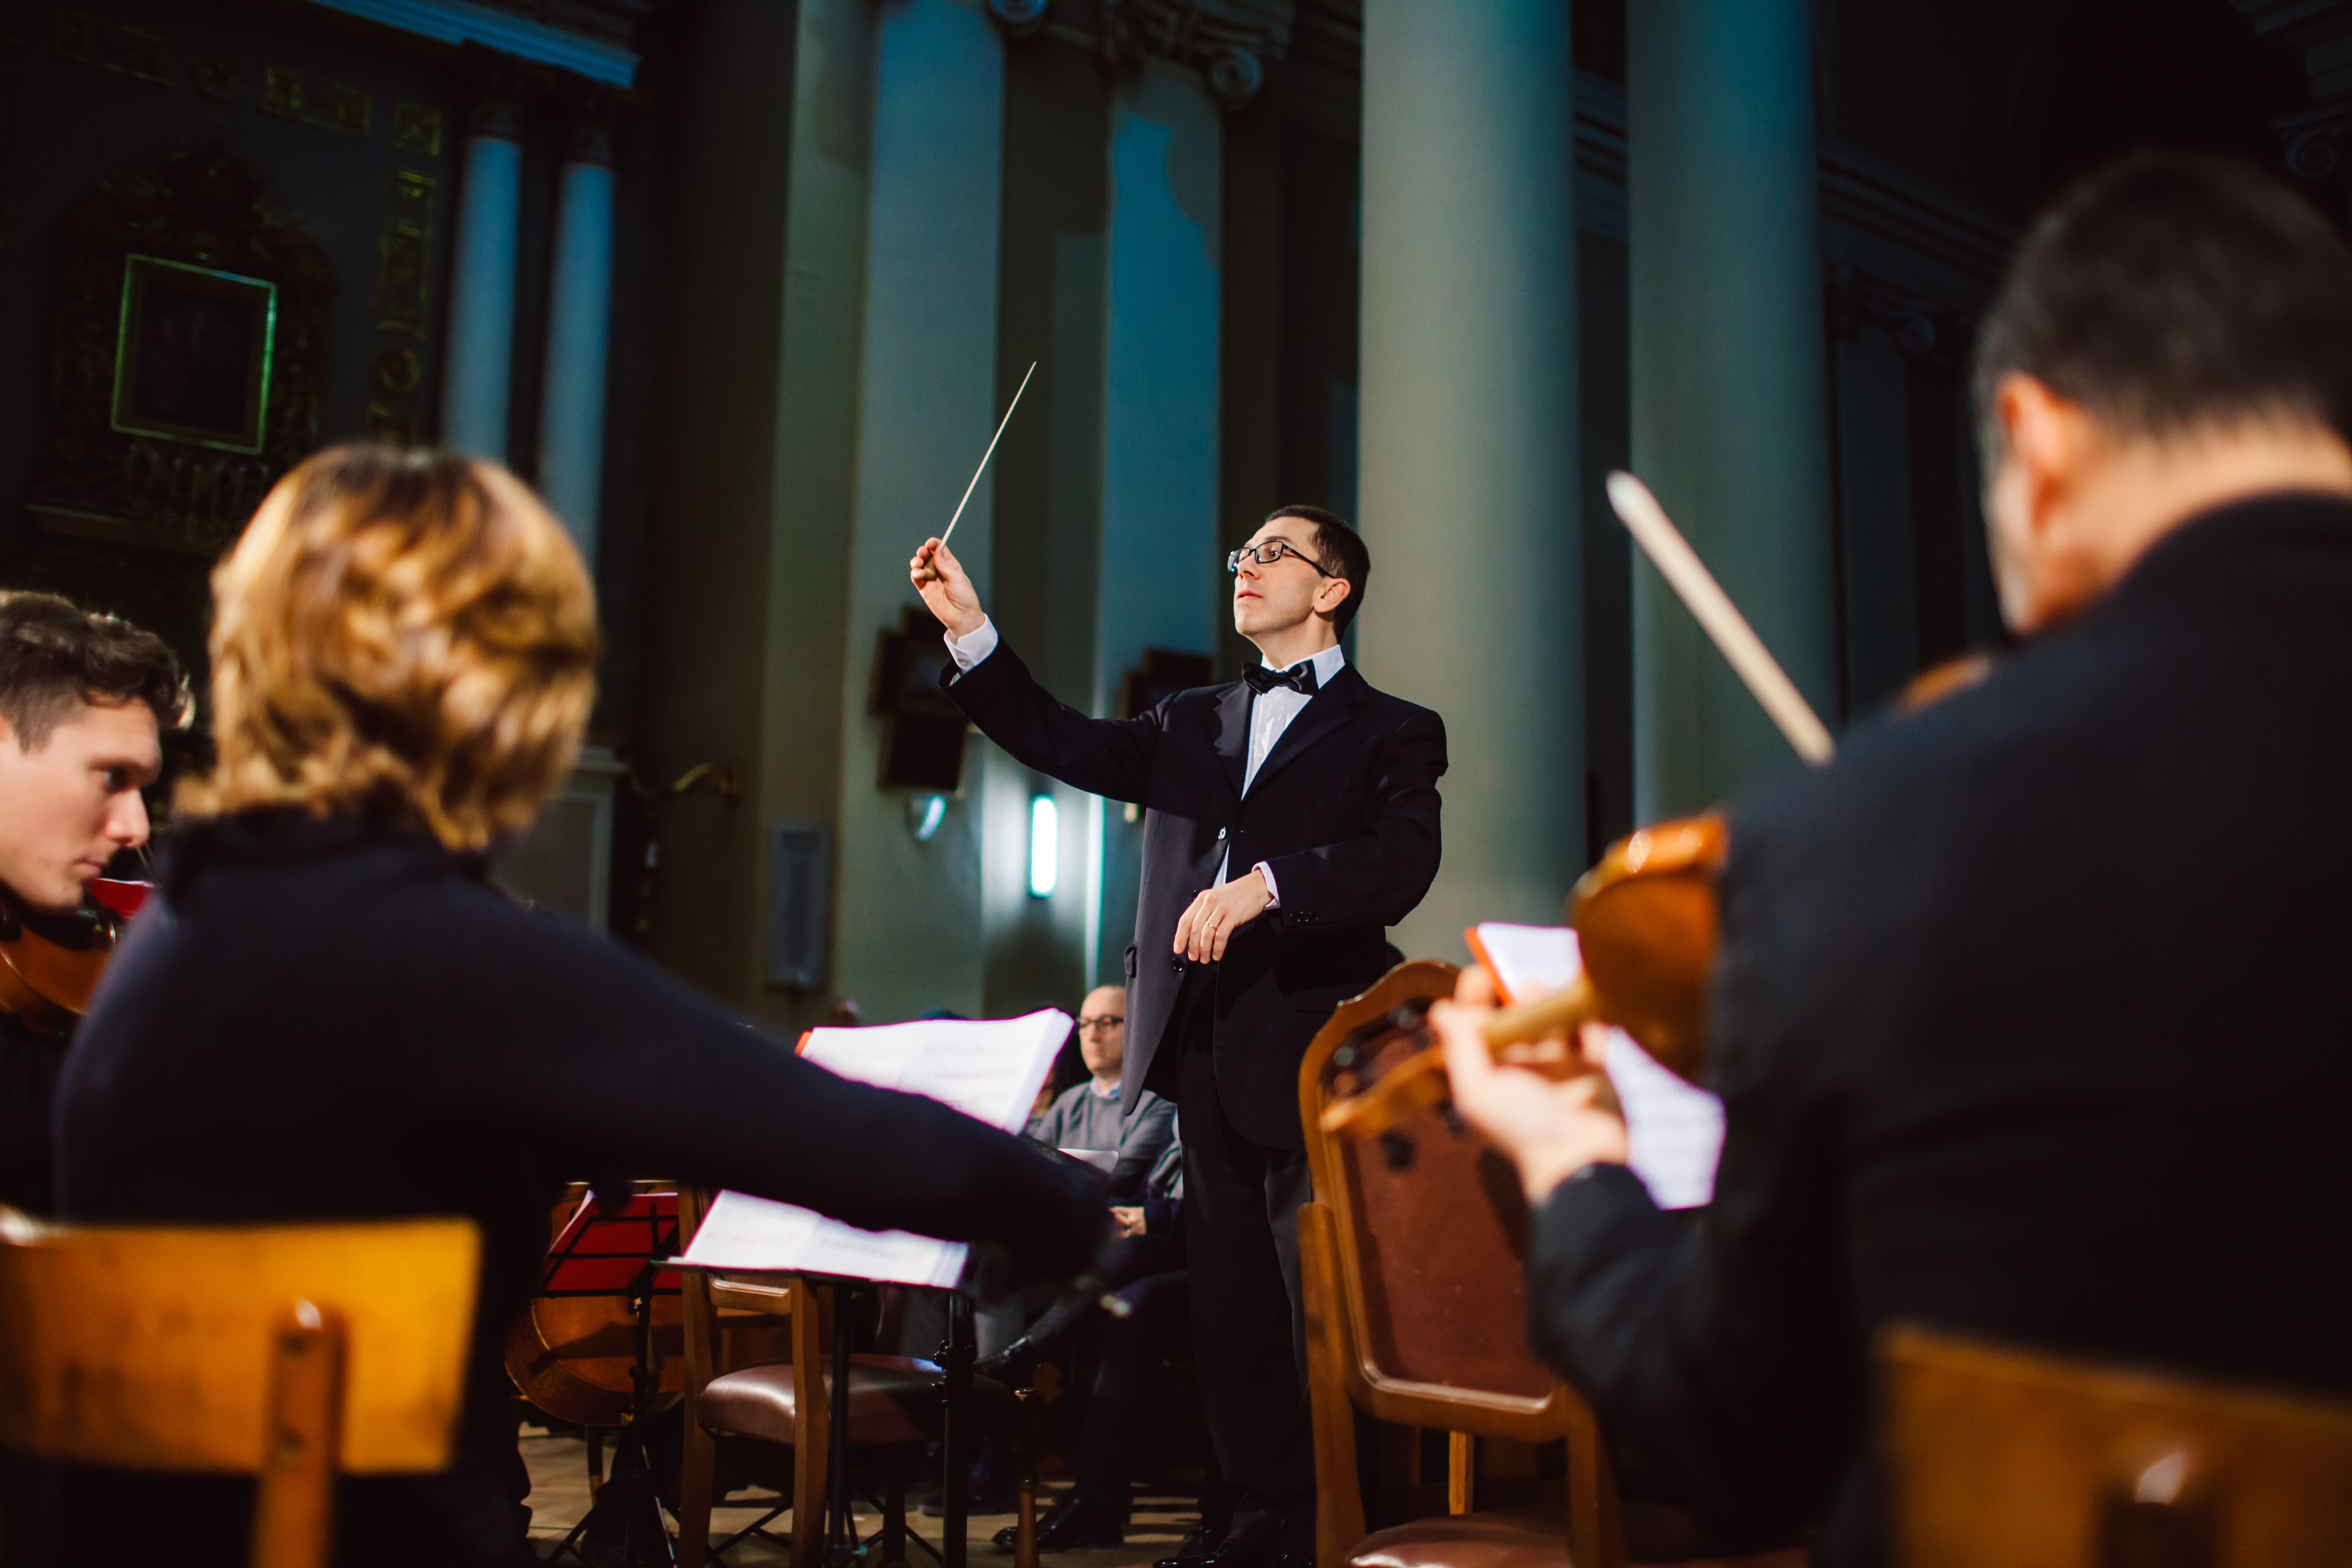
(1342, 550)
(2176, 291)
(56, 656)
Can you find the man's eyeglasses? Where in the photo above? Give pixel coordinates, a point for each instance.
(1106, 1023)
(1272, 551)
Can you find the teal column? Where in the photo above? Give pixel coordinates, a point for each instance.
(1468, 473)
(908, 910)
(1728, 403)
(480, 359)
(1163, 582)
(579, 321)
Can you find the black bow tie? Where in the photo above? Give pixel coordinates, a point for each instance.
(1299, 678)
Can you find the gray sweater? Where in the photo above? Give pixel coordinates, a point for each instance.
(1083, 1119)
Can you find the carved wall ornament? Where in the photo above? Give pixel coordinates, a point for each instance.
(219, 76)
(403, 264)
(111, 46)
(416, 128)
(393, 427)
(399, 369)
(314, 100)
(186, 209)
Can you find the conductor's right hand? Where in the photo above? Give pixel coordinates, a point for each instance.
(946, 588)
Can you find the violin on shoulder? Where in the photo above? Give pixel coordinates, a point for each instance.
(50, 964)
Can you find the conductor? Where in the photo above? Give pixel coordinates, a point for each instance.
(1289, 816)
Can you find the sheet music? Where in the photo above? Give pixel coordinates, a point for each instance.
(990, 1070)
(1674, 1130)
(1529, 962)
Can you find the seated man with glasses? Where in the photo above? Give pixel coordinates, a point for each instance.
(1289, 818)
(1092, 1115)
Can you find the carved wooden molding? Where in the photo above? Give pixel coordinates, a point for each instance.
(197, 206)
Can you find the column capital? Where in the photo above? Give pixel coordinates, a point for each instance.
(1227, 41)
(494, 89)
(1921, 328)
(590, 116)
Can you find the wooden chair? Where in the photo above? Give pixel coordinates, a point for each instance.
(1414, 1277)
(894, 1404)
(295, 1353)
(2004, 1456)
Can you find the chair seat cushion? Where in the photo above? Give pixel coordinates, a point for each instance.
(1467, 1541)
(892, 1399)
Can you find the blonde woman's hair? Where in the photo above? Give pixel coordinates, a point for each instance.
(404, 635)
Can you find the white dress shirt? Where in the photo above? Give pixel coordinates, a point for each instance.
(1270, 715)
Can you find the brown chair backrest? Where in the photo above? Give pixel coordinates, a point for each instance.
(2003, 1456)
(1432, 1250)
(290, 1352)
(1415, 1289)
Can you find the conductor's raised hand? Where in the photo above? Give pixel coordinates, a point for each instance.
(946, 588)
(1214, 915)
(1551, 1129)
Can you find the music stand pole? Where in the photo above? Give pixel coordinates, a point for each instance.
(956, 1394)
(840, 1532)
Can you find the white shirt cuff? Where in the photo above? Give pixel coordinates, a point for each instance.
(1273, 893)
(969, 651)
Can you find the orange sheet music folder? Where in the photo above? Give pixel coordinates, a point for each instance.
(1527, 962)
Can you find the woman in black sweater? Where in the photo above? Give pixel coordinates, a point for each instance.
(329, 1014)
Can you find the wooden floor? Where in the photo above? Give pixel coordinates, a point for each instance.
(559, 1495)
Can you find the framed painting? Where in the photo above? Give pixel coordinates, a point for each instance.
(192, 355)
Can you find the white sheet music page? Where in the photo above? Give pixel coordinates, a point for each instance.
(1674, 1130)
(990, 1070)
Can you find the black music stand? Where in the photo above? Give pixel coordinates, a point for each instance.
(620, 1253)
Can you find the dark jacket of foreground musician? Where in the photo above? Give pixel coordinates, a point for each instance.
(1975, 1070)
(2028, 1014)
(332, 1017)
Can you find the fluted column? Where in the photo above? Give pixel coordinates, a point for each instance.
(908, 924)
(1728, 403)
(1468, 434)
(479, 360)
(579, 321)
(1161, 584)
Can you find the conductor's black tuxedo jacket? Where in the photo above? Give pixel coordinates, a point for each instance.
(1344, 809)
(2030, 1022)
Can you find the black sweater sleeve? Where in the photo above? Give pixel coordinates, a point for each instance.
(594, 1049)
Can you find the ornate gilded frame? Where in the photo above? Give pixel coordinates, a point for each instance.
(138, 321)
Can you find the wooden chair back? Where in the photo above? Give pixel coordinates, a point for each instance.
(710, 1303)
(1413, 1262)
(289, 1352)
(2003, 1456)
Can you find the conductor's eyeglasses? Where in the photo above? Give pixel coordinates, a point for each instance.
(1106, 1023)
(1272, 551)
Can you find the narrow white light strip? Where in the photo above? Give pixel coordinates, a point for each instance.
(456, 22)
(1045, 847)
